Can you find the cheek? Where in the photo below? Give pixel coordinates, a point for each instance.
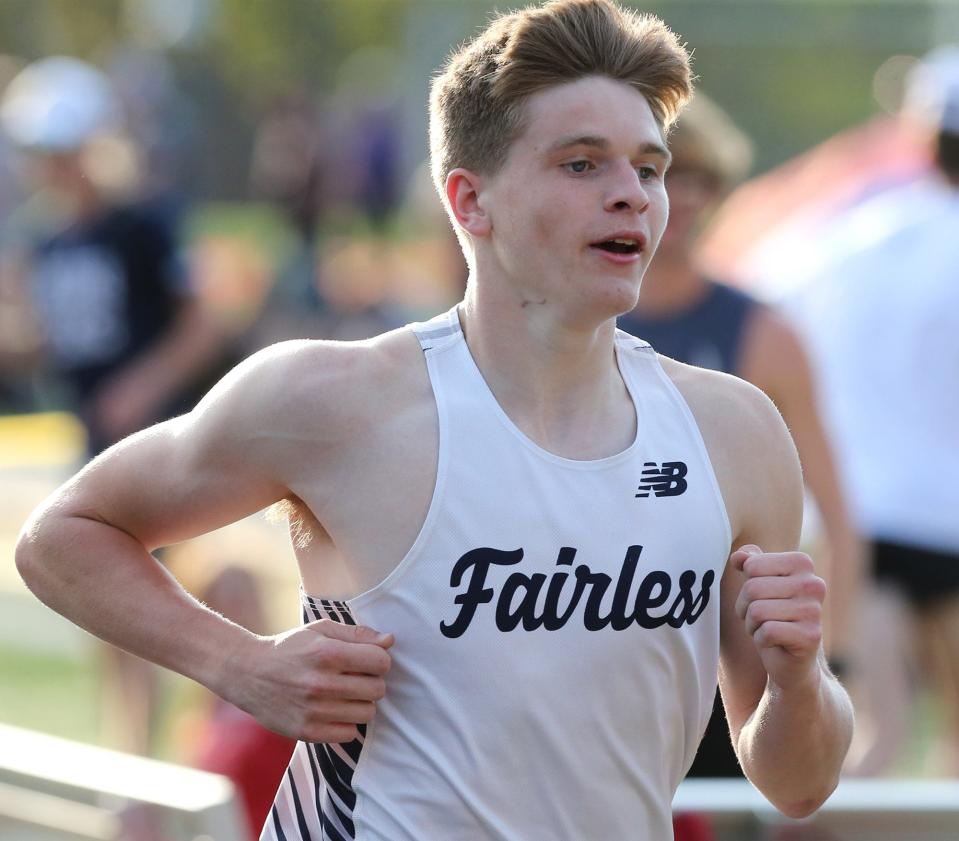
(543, 223)
(659, 209)
(526, 233)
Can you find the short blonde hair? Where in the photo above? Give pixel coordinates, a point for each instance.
(476, 102)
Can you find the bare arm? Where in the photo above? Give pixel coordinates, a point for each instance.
(774, 360)
(85, 552)
(790, 720)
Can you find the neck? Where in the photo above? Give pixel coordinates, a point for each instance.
(557, 381)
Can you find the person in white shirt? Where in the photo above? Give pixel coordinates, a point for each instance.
(880, 313)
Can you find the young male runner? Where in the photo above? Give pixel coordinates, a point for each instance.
(534, 514)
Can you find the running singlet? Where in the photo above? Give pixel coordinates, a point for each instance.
(557, 633)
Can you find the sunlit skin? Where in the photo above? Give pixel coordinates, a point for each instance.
(590, 165)
(539, 310)
(340, 426)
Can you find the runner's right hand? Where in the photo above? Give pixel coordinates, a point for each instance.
(314, 683)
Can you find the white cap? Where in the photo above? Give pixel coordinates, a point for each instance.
(932, 94)
(57, 104)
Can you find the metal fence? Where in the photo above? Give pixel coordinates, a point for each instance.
(859, 810)
(52, 789)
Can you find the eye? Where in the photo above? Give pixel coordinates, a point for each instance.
(646, 173)
(579, 167)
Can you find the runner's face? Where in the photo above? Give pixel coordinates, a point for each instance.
(579, 206)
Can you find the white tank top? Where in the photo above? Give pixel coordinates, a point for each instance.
(557, 633)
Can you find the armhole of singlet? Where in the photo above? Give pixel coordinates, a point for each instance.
(432, 348)
(697, 435)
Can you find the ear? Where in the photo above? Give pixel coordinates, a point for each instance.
(463, 194)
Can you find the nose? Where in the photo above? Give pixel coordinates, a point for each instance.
(626, 190)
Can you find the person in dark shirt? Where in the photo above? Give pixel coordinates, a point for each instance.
(122, 335)
(121, 328)
(111, 292)
(686, 315)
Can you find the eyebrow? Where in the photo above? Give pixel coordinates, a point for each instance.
(603, 144)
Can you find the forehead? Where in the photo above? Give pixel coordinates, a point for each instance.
(594, 106)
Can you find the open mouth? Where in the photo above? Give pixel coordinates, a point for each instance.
(619, 246)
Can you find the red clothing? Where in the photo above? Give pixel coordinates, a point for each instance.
(691, 827)
(237, 746)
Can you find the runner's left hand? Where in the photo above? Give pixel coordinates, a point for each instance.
(781, 606)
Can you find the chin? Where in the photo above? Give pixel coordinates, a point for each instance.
(614, 299)
(624, 292)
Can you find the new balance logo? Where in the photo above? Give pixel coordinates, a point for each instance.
(668, 480)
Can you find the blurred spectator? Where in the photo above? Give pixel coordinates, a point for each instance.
(161, 120)
(882, 316)
(119, 328)
(19, 348)
(227, 740)
(289, 170)
(688, 316)
(335, 289)
(377, 144)
(287, 166)
(9, 169)
(783, 210)
(365, 113)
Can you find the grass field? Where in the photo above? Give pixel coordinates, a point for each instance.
(59, 695)
(47, 692)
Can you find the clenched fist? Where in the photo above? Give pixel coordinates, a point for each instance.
(314, 683)
(781, 606)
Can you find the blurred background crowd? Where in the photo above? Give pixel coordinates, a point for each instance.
(185, 181)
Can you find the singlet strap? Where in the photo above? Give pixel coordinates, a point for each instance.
(631, 341)
(438, 330)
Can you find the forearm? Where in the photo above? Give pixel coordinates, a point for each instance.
(106, 582)
(793, 746)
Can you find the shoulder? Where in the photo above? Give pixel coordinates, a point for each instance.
(723, 396)
(318, 392)
(748, 443)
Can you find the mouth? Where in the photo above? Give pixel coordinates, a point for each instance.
(621, 248)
